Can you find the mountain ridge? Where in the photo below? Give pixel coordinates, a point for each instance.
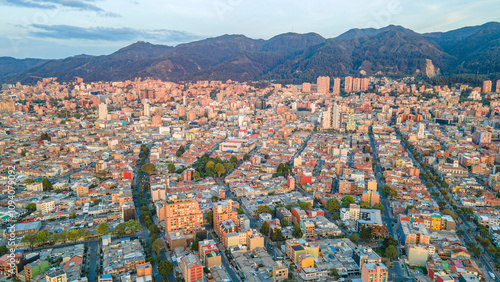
(292, 57)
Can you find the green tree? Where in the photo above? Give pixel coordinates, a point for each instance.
(171, 168)
(354, 238)
(157, 246)
(29, 238)
(148, 168)
(164, 268)
(380, 207)
(284, 222)
(391, 252)
(196, 175)
(210, 166)
(305, 205)
(219, 169)
(347, 200)
(3, 250)
(210, 217)
(31, 207)
(97, 201)
(364, 205)
(389, 241)
(264, 229)
(240, 211)
(194, 245)
(103, 229)
(263, 209)
(233, 159)
(333, 204)
(47, 185)
(277, 236)
(296, 231)
(365, 233)
(246, 157)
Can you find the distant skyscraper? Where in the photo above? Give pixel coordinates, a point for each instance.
(306, 87)
(323, 84)
(498, 86)
(487, 86)
(147, 109)
(103, 111)
(336, 86)
(348, 84)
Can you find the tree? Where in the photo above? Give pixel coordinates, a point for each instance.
(240, 211)
(354, 238)
(450, 213)
(347, 200)
(164, 268)
(492, 250)
(277, 236)
(364, 205)
(233, 159)
(391, 252)
(171, 168)
(365, 233)
(219, 169)
(74, 235)
(264, 229)
(31, 207)
(215, 198)
(97, 201)
(196, 175)
(178, 153)
(246, 157)
(194, 245)
(29, 238)
(210, 217)
(297, 232)
(389, 241)
(284, 222)
(47, 185)
(333, 204)
(157, 246)
(380, 207)
(210, 166)
(103, 229)
(305, 205)
(148, 168)
(263, 209)
(3, 250)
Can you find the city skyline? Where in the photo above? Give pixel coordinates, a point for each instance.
(58, 29)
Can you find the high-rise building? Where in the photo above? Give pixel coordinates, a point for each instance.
(498, 86)
(332, 117)
(147, 109)
(351, 124)
(323, 84)
(224, 211)
(260, 104)
(374, 272)
(103, 111)
(348, 84)
(337, 117)
(421, 131)
(365, 82)
(191, 268)
(356, 84)
(183, 214)
(482, 137)
(147, 94)
(336, 86)
(487, 84)
(306, 87)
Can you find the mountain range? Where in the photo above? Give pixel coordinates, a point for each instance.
(289, 57)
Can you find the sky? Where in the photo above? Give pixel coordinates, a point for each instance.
(54, 29)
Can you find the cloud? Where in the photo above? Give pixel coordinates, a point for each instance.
(83, 5)
(109, 33)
